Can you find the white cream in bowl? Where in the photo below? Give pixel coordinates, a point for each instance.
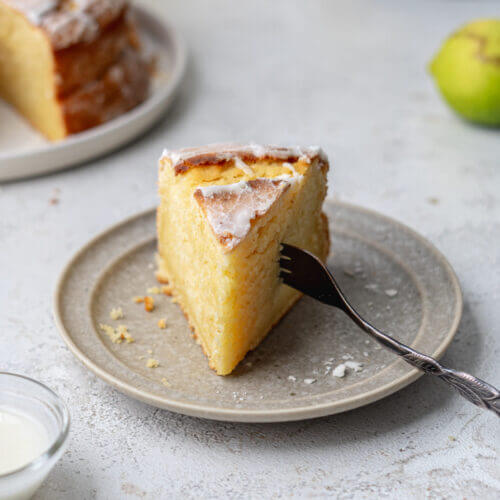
(34, 426)
(22, 439)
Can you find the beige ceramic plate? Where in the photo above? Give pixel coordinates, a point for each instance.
(397, 279)
(25, 152)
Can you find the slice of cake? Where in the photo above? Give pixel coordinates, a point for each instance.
(224, 211)
(69, 65)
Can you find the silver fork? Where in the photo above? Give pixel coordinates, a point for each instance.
(305, 272)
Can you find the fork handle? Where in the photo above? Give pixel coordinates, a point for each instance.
(474, 389)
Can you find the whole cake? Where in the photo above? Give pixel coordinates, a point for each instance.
(224, 211)
(69, 65)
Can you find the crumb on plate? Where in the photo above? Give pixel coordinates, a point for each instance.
(124, 334)
(118, 335)
(152, 363)
(116, 313)
(149, 303)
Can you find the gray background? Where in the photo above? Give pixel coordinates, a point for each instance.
(350, 76)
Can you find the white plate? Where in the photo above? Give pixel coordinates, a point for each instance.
(25, 152)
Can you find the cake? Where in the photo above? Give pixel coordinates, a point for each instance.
(69, 65)
(224, 211)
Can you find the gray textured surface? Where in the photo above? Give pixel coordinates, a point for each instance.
(351, 77)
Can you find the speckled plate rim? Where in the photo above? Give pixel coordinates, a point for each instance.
(104, 138)
(262, 416)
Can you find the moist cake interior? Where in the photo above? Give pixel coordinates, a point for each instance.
(222, 216)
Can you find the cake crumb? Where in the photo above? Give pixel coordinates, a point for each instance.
(452, 438)
(152, 363)
(118, 335)
(390, 292)
(154, 290)
(111, 333)
(166, 289)
(54, 200)
(292, 378)
(149, 303)
(116, 313)
(165, 382)
(150, 351)
(138, 300)
(162, 323)
(339, 371)
(124, 334)
(309, 381)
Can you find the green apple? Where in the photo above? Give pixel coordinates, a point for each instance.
(467, 71)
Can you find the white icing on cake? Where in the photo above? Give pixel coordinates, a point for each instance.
(288, 178)
(67, 22)
(226, 152)
(36, 9)
(243, 166)
(231, 208)
(290, 167)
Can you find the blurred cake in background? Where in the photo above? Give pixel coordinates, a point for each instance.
(69, 65)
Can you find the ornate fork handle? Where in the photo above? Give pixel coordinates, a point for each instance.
(475, 390)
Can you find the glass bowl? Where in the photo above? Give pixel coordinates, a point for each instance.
(35, 400)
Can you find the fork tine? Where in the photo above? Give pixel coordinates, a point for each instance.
(289, 279)
(290, 251)
(298, 261)
(305, 272)
(286, 263)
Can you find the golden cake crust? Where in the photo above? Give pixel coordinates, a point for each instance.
(79, 64)
(219, 154)
(124, 85)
